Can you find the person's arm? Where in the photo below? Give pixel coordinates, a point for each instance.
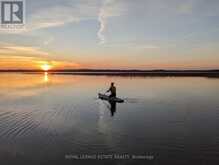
(108, 90)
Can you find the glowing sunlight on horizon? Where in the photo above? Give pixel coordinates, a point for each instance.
(46, 67)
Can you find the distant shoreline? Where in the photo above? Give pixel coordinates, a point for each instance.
(115, 72)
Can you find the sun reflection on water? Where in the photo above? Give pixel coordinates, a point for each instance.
(46, 77)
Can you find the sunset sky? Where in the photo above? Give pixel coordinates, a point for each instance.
(115, 34)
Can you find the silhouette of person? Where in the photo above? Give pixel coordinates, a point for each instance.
(112, 90)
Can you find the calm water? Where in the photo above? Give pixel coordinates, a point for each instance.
(45, 119)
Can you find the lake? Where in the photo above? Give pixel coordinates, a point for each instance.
(58, 119)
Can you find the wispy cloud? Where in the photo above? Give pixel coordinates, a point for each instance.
(58, 14)
(133, 45)
(22, 50)
(67, 12)
(31, 62)
(52, 17)
(102, 21)
(110, 8)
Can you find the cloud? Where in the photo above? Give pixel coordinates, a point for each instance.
(102, 21)
(110, 8)
(24, 50)
(52, 17)
(133, 45)
(31, 62)
(29, 57)
(58, 14)
(66, 12)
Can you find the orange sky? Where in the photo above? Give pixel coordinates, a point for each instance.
(37, 63)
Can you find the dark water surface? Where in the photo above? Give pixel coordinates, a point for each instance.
(57, 119)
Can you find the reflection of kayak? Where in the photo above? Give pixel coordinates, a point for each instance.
(114, 99)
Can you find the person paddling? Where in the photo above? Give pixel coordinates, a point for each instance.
(112, 90)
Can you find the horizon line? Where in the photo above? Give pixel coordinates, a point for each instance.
(106, 70)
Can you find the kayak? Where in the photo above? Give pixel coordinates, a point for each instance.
(106, 97)
(114, 99)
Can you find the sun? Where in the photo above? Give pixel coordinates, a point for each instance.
(46, 67)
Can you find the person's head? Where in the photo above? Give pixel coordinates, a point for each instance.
(112, 83)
